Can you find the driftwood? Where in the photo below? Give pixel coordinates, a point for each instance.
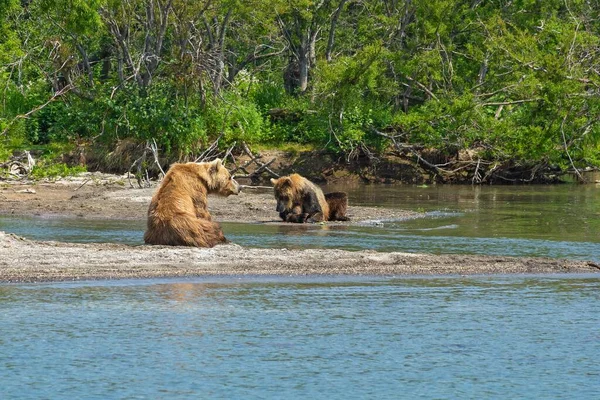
(261, 167)
(19, 166)
(140, 165)
(255, 187)
(475, 168)
(211, 151)
(139, 168)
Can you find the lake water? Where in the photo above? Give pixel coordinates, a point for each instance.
(517, 337)
(551, 221)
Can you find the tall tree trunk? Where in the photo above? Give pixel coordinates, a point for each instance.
(303, 64)
(86, 63)
(154, 28)
(332, 26)
(220, 61)
(216, 47)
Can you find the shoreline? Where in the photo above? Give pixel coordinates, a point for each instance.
(27, 261)
(24, 260)
(109, 197)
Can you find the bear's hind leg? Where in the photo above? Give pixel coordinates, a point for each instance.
(316, 217)
(338, 205)
(187, 231)
(207, 234)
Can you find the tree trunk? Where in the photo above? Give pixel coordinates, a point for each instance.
(334, 21)
(303, 64)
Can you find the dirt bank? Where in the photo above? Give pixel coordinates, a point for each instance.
(23, 260)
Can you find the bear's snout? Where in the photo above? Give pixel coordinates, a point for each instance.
(280, 207)
(234, 187)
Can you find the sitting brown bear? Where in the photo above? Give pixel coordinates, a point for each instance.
(178, 216)
(299, 200)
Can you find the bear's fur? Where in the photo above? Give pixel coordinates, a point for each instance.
(178, 216)
(338, 206)
(299, 200)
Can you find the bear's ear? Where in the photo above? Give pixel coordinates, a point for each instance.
(285, 181)
(216, 164)
(273, 181)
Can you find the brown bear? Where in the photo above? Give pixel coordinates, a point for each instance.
(299, 200)
(178, 216)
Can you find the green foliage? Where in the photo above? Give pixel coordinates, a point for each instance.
(14, 140)
(516, 80)
(77, 17)
(236, 117)
(155, 115)
(9, 41)
(55, 170)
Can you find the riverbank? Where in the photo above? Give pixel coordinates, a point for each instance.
(109, 197)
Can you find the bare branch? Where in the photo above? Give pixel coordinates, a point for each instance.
(334, 20)
(562, 131)
(154, 149)
(423, 88)
(214, 145)
(509, 103)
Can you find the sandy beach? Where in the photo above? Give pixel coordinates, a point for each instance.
(105, 197)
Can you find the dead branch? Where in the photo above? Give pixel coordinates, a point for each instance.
(562, 131)
(142, 175)
(138, 165)
(82, 185)
(154, 149)
(265, 167)
(423, 88)
(255, 187)
(476, 174)
(509, 103)
(209, 151)
(261, 166)
(254, 159)
(229, 154)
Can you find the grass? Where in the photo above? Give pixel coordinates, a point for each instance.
(59, 170)
(293, 148)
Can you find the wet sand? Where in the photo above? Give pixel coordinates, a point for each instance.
(23, 260)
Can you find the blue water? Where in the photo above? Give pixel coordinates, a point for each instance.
(526, 337)
(76, 230)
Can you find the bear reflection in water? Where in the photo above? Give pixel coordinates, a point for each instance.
(178, 214)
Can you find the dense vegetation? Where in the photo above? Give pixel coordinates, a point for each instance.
(501, 84)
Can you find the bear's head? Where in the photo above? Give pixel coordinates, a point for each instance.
(219, 180)
(285, 193)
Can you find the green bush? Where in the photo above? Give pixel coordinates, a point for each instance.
(236, 118)
(55, 170)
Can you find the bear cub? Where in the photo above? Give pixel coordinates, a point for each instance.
(299, 200)
(178, 214)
